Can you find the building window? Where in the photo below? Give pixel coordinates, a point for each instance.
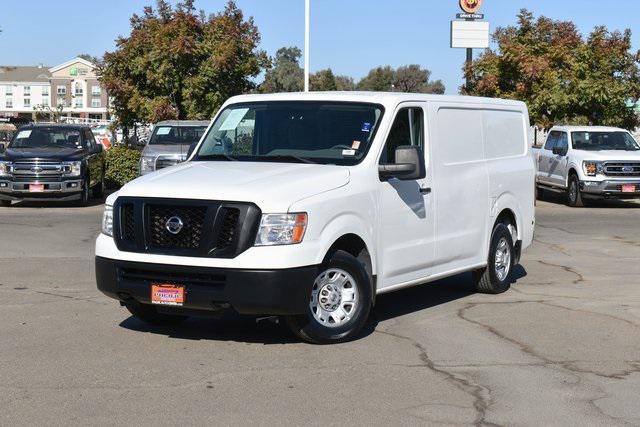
(95, 103)
(9, 103)
(27, 103)
(9, 90)
(78, 103)
(45, 102)
(27, 90)
(62, 90)
(78, 89)
(45, 90)
(96, 90)
(62, 102)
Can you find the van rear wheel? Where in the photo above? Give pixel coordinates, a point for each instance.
(339, 303)
(496, 277)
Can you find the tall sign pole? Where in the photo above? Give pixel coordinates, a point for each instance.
(307, 13)
(469, 31)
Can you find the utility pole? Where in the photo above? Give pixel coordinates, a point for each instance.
(306, 44)
(467, 70)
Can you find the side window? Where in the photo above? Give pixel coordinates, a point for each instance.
(551, 141)
(407, 129)
(563, 141)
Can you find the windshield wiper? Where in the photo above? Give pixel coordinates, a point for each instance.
(220, 156)
(287, 157)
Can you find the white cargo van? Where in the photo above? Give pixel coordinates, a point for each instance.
(309, 205)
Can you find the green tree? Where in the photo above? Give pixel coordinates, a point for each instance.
(345, 83)
(562, 77)
(285, 75)
(323, 80)
(90, 58)
(179, 64)
(407, 78)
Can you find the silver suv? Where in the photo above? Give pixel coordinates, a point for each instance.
(169, 143)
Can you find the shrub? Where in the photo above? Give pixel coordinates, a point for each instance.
(121, 165)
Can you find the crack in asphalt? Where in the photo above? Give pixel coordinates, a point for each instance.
(554, 247)
(580, 278)
(481, 394)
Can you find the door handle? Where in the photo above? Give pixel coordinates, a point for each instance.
(426, 190)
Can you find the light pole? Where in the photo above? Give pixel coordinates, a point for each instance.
(306, 44)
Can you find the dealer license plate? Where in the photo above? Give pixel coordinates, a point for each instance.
(628, 188)
(36, 188)
(167, 294)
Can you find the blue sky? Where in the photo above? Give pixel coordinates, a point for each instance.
(350, 36)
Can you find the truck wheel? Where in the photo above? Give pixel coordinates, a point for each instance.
(149, 314)
(495, 278)
(339, 305)
(6, 203)
(98, 190)
(85, 195)
(574, 196)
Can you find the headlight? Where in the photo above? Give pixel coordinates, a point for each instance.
(147, 164)
(281, 229)
(107, 221)
(72, 168)
(591, 168)
(5, 168)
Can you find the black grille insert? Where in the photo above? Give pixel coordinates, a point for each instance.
(185, 227)
(188, 235)
(182, 278)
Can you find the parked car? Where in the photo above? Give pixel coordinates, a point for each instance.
(589, 163)
(309, 205)
(169, 143)
(103, 135)
(51, 162)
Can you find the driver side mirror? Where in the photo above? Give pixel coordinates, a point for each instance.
(409, 164)
(2, 147)
(559, 151)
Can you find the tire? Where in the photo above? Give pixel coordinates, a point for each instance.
(492, 279)
(148, 314)
(574, 195)
(539, 193)
(98, 190)
(5, 203)
(340, 302)
(85, 195)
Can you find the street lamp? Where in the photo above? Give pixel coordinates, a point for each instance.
(306, 44)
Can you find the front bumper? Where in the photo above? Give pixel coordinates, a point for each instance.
(270, 292)
(55, 190)
(609, 188)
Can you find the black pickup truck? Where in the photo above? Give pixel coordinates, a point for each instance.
(47, 162)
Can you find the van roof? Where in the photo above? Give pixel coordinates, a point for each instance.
(587, 129)
(384, 98)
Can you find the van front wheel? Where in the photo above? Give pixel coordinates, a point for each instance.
(496, 277)
(339, 303)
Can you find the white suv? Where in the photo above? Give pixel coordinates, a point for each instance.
(309, 205)
(589, 162)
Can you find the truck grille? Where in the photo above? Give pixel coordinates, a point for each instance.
(38, 170)
(625, 169)
(206, 229)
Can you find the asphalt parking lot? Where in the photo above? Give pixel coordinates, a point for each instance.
(562, 347)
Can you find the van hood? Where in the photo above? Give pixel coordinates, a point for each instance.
(272, 186)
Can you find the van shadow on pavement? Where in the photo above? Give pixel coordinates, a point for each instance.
(561, 199)
(238, 328)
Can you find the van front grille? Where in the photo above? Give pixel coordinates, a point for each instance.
(185, 227)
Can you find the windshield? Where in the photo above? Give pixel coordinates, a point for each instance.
(293, 131)
(184, 135)
(44, 137)
(596, 141)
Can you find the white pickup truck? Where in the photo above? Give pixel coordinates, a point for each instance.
(589, 162)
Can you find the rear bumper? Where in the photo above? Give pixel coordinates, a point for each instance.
(609, 188)
(271, 292)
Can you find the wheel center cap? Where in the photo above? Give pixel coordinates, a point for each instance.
(329, 298)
